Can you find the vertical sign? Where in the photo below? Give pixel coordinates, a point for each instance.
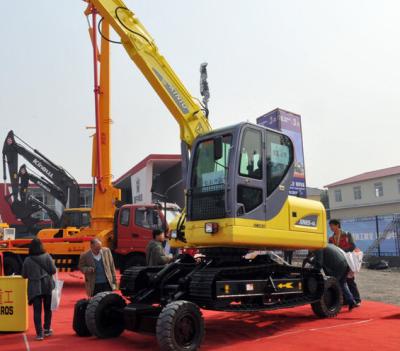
(289, 124)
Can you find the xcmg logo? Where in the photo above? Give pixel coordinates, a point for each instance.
(43, 168)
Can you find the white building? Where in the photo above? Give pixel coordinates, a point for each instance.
(368, 194)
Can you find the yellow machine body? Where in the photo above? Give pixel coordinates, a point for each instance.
(283, 231)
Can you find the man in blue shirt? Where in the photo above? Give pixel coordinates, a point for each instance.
(97, 265)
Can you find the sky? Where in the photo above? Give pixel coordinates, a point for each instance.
(336, 63)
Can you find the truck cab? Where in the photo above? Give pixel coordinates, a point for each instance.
(133, 229)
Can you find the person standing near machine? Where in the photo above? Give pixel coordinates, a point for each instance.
(39, 268)
(346, 242)
(155, 254)
(97, 264)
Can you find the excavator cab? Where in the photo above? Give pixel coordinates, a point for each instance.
(76, 217)
(238, 193)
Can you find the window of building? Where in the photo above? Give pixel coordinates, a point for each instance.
(86, 198)
(398, 185)
(250, 156)
(378, 189)
(338, 195)
(124, 217)
(357, 192)
(279, 159)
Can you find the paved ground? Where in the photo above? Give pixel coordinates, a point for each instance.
(383, 286)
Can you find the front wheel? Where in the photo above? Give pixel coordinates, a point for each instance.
(103, 315)
(330, 303)
(180, 327)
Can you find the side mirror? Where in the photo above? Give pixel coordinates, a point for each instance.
(217, 148)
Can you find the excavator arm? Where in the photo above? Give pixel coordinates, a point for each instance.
(26, 177)
(143, 51)
(56, 174)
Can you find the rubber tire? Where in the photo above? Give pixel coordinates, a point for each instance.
(79, 322)
(133, 260)
(165, 329)
(98, 322)
(11, 265)
(321, 309)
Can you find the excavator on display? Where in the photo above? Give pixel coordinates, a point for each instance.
(237, 182)
(125, 229)
(55, 181)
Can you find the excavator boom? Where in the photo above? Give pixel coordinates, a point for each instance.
(142, 49)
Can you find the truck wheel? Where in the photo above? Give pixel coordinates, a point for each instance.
(104, 315)
(330, 303)
(11, 265)
(180, 326)
(79, 321)
(133, 260)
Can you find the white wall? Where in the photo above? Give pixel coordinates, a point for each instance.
(141, 185)
(391, 193)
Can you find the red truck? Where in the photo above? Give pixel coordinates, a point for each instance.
(133, 227)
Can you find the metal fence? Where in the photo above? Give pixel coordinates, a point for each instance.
(377, 236)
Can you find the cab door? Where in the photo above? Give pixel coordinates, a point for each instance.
(146, 219)
(250, 178)
(124, 233)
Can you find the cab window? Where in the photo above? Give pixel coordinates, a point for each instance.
(279, 159)
(210, 174)
(251, 155)
(124, 216)
(148, 218)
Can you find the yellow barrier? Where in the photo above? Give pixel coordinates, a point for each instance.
(13, 304)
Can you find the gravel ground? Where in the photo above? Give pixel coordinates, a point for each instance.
(376, 285)
(383, 286)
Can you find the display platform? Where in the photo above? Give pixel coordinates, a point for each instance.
(371, 327)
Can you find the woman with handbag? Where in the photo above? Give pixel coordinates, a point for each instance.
(39, 268)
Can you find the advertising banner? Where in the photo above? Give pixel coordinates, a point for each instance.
(289, 124)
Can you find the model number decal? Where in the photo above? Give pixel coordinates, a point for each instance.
(308, 221)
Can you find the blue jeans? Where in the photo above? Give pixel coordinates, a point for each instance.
(347, 295)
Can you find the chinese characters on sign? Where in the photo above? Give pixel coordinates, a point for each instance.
(5, 302)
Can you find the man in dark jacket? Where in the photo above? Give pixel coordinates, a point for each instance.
(332, 260)
(155, 254)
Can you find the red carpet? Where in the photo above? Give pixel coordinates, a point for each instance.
(374, 326)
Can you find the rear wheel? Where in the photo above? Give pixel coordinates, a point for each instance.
(11, 265)
(79, 321)
(104, 317)
(330, 303)
(180, 326)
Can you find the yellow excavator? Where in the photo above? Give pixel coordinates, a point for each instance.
(237, 182)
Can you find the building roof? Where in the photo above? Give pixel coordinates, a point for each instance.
(380, 173)
(152, 157)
